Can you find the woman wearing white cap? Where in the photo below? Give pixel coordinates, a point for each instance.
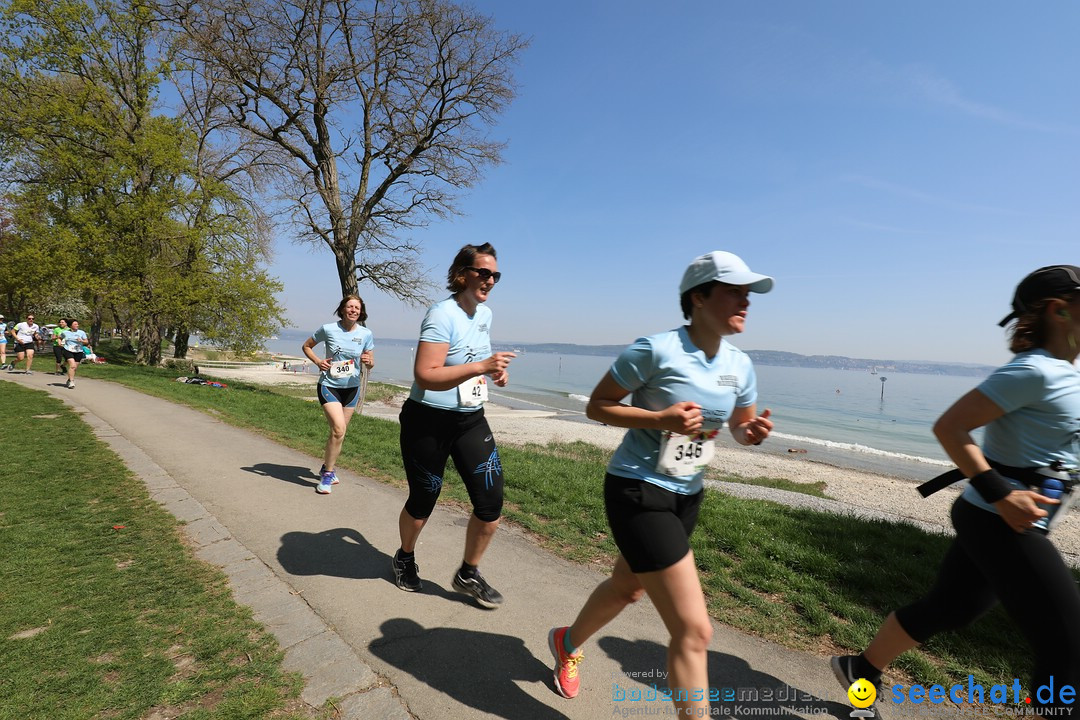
(685, 384)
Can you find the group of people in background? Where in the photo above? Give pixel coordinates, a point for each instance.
(674, 391)
(70, 345)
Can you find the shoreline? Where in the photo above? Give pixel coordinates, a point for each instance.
(855, 491)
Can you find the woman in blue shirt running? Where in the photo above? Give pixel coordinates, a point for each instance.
(73, 342)
(685, 384)
(348, 344)
(1030, 408)
(443, 419)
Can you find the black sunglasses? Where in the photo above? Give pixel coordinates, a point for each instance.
(484, 273)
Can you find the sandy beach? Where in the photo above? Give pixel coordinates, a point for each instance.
(849, 491)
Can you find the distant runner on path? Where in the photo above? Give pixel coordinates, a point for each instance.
(348, 344)
(56, 334)
(73, 345)
(26, 333)
(3, 343)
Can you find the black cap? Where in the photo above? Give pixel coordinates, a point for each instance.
(1052, 281)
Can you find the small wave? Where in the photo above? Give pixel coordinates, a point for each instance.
(514, 402)
(582, 398)
(865, 449)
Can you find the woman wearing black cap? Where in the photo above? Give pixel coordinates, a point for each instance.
(1030, 408)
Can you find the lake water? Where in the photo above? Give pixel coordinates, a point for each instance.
(846, 418)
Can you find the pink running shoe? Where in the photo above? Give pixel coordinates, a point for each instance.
(567, 682)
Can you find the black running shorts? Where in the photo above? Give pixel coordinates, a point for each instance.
(347, 396)
(651, 526)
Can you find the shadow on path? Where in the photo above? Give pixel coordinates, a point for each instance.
(341, 552)
(742, 690)
(480, 670)
(345, 553)
(288, 473)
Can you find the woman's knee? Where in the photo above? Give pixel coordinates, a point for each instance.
(626, 587)
(694, 636)
(485, 527)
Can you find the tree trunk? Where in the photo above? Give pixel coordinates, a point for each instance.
(95, 323)
(180, 344)
(346, 268)
(149, 352)
(125, 333)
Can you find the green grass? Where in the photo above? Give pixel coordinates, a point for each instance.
(808, 580)
(376, 392)
(103, 611)
(815, 489)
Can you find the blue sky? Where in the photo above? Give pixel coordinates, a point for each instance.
(897, 167)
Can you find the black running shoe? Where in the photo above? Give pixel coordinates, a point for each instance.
(843, 667)
(406, 573)
(478, 587)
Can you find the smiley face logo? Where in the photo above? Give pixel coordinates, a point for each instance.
(862, 693)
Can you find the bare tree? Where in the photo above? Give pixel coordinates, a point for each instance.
(381, 108)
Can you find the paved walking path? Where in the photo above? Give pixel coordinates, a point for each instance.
(316, 571)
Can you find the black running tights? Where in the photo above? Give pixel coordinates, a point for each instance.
(989, 563)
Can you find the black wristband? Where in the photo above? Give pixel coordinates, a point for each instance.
(991, 485)
(759, 442)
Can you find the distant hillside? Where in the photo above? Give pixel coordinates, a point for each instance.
(761, 357)
(838, 362)
(546, 348)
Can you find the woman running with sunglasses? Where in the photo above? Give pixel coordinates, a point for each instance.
(1030, 408)
(26, 335)
(444, 418)
(685, 384)
(348, 344)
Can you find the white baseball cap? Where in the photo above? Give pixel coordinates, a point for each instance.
(723, 267)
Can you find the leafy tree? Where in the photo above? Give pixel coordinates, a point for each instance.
(121, 182)
(375, 110)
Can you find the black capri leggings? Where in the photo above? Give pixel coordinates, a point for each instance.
(988, 563)
(431, 435)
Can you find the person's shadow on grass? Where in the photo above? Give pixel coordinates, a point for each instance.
(731, 679)
(288, 473)
(438, 656)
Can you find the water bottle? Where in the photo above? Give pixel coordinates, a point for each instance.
(1057, 484)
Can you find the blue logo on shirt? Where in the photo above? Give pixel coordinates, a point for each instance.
(713, 416)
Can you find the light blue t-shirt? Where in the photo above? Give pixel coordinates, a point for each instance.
(70, 340)
(667, 368)
(1040, 395)
(3, 333)
(469, 339)
(342, 345)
